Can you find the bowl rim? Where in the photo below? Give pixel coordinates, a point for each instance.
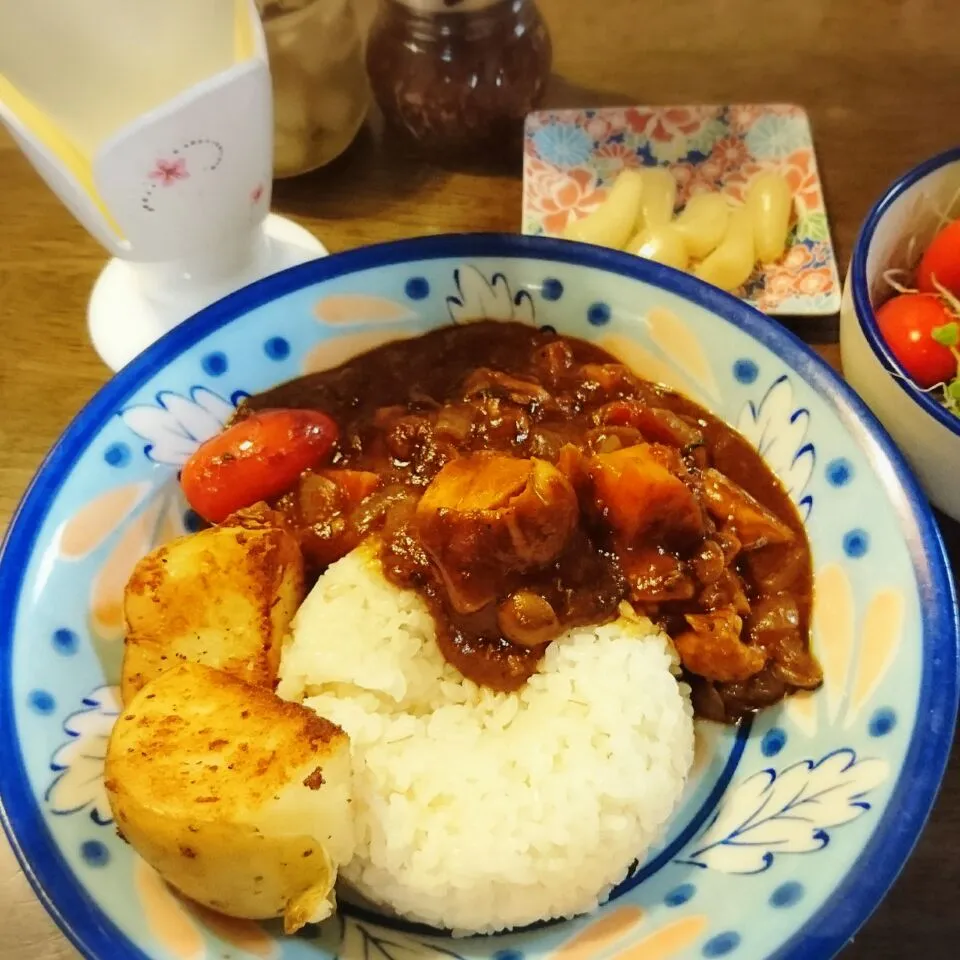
(887, 849)
(866, 317)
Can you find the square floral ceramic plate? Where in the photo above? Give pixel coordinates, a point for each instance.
(571, 158)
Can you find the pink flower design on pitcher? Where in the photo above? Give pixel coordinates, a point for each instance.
(168, 172)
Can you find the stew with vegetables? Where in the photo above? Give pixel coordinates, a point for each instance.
(525, 482)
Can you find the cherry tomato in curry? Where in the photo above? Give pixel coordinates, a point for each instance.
(255, 459)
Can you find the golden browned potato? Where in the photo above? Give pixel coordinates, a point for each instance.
(240, 800)
(223, 597)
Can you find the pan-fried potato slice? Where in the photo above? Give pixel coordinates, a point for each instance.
(240, 800)
(223, 597)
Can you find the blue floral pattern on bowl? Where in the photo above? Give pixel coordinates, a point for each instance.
(813, 804)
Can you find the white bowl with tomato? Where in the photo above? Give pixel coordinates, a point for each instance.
(900, 321)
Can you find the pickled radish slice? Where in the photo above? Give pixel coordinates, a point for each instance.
(732, 262)
(770, 203)
(702, 223)
(658, 198)
(662, 244)
(614, 221)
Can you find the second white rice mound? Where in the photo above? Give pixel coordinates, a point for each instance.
(475, 810)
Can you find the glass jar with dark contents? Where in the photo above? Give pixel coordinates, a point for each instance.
(459, 76)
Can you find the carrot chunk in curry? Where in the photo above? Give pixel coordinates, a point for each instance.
(525, 483)
(639, 495)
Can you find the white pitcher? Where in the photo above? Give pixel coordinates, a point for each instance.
(153, 124)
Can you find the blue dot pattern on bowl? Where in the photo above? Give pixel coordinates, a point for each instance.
(856, 543)
(94, 853)
(552, 289)
(787, 894)
(41, 702)
(417, 288)
(678, 896)
(773, 741)
(598, 314)
(722, 944)
(839, 472)
(214, 364)
(508, 955)
(882, 722)
(192, 521)
(117, 455)
(745, 371)
(277, 348)
(65, 641)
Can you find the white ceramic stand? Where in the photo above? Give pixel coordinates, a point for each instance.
(134, 304)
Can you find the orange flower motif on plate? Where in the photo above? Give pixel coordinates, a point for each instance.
(730, 152)
(779, 284)
(743, 116)
(736, 183)
(616, 156)
(663, 124)
(814, 281)
(598, 127)
(557, 196)
(796, 259)
(691, 180)
(800, 171)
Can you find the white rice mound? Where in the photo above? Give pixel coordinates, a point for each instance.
(479, 811)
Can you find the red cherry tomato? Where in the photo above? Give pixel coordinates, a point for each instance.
(942, 261)
(906, 324)
(257, 458)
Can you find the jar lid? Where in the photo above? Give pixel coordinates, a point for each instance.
(448, 6)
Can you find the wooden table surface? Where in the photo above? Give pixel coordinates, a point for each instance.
(882, 85)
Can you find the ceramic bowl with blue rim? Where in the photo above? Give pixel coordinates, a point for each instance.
(894, 236)
(793, 826)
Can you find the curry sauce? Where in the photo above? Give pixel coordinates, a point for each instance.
(524, 482)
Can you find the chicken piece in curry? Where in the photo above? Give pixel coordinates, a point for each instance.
(525, 482)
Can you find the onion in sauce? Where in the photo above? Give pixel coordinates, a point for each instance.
(527, 483)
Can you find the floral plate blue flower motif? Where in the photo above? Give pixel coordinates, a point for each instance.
(563, 144)
(783, 818)
(773, 137)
